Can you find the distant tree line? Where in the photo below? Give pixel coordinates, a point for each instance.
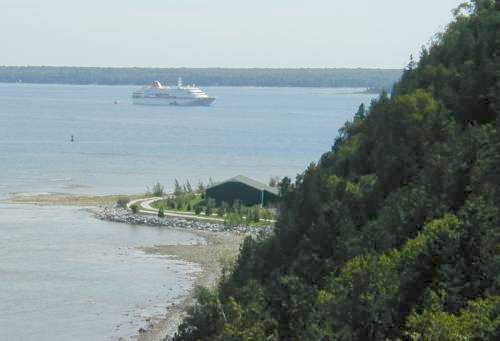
(368, 78)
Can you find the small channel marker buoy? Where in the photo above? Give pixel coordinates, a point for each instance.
(72, 138)
(116, 101)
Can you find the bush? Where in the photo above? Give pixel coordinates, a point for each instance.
(210, 206)
(161, 212)
(233, 218)
(266, 214)
(274, 181)
(236, 206)
(171, 204)
(179, 202)
(221, 211)
(158, 190)
(198, 209)
(178, 190)
(254, 214)
(122, 202)
(134, 208)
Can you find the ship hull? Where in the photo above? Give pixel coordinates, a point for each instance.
(182, 102)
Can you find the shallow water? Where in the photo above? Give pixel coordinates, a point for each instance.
(67, 276)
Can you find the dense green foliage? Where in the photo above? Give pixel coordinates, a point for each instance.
(369, 78)
(395, 233)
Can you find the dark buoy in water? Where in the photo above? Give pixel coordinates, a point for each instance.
(116, 101)
(72, 138)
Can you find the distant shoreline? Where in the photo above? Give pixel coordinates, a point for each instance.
(210, 86)
(260, 77)
(362, 90)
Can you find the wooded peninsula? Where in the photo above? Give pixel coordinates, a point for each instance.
(309, 77)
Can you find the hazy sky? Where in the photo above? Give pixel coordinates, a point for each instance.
(224, 33)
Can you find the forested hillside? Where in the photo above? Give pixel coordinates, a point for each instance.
(395, 232)
(368, 78)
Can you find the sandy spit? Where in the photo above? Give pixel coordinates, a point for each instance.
(65, 199)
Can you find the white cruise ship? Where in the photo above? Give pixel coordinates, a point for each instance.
(158, 94)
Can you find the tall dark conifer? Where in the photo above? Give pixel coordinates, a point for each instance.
(497, 104)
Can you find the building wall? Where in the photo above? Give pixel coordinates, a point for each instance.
(230, 191)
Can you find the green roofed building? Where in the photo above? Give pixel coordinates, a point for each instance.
(246, 191)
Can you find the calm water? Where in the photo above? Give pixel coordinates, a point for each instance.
(65, 275)
(122, 148)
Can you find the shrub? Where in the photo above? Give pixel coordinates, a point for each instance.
(171, 203)
(233, 218)
(274, 181)
(225, 206)
(158, 190)
(236, 206)
(134, 208)
(221, 211)
(178, 190)
(201, 187)
(122, 202)
(210, 206)
(266, 214)
(254, 214)
(179, 202)
(198, 209)
(161, 212)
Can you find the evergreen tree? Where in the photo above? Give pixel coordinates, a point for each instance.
(395, 232)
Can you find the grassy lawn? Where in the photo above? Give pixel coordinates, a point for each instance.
(184, 203)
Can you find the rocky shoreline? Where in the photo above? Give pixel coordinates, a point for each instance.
(125, 216)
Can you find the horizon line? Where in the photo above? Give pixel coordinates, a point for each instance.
(205, 67)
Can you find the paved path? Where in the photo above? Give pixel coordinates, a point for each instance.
(145, 207)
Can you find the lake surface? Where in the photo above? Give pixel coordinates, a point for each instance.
(65, 275)
(122, 148)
